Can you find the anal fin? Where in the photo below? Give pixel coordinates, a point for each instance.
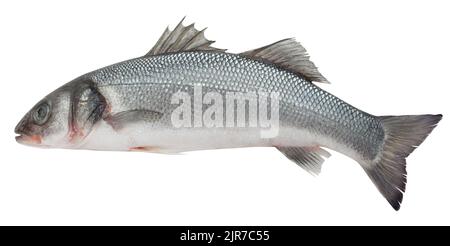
(308, 158)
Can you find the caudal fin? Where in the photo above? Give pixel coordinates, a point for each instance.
(402, 135)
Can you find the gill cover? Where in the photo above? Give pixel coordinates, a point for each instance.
(86, 108)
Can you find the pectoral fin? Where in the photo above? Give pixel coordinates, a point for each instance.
(120, 119)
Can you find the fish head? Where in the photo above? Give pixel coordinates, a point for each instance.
(63, 118)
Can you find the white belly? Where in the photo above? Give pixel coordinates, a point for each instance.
(166, 140)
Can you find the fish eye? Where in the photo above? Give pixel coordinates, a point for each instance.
(41, 113)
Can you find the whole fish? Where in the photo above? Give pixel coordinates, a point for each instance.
(185, 94)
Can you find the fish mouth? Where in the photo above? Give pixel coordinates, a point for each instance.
(29, 139)
(19, 138)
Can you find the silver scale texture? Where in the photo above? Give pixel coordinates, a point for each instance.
(149, 82)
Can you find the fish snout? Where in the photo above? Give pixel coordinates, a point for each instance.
(22, 127)
(24, 133)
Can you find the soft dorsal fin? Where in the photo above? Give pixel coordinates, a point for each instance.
(182, 38)
(288, 54)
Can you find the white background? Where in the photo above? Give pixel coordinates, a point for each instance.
(385, 57)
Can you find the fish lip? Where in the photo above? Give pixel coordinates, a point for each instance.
(21, 135)
(21, 138)
(18, 138)
(34, 140)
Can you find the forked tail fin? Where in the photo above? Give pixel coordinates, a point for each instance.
(402, 135)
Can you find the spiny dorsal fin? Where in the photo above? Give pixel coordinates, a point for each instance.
(288, 54)
(182, 38)
(309, 158)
